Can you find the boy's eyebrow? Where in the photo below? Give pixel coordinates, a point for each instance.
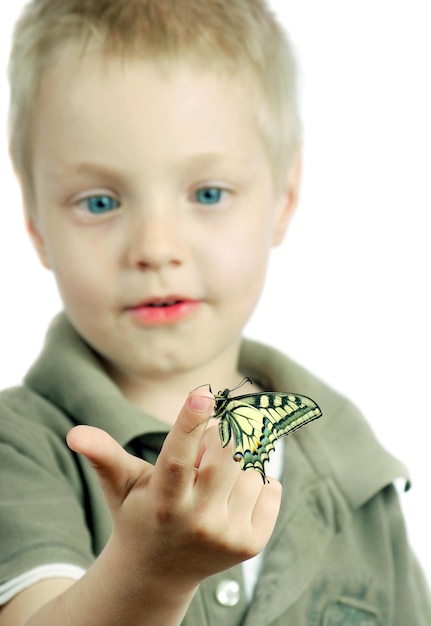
(211, 157)
(246, 164)
(62, 168)
(85, 168)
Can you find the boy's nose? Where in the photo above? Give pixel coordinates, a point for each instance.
(155, 242)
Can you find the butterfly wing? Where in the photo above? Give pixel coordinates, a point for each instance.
(255, 422)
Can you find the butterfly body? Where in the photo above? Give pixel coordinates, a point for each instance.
(256, 421)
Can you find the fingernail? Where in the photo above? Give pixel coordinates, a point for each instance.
(200, 403)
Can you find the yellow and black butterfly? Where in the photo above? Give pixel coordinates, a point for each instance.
(257, 420)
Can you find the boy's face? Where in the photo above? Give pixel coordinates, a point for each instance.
(156, 210)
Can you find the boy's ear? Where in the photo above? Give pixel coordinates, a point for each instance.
(37, 240)
(288, 200)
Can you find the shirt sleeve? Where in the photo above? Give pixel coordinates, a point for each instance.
(44, 516)
(13, 587)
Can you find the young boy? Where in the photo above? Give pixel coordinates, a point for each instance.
(157, 146)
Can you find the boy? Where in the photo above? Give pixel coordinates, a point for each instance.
(157, 145)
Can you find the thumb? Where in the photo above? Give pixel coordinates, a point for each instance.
(116, 469)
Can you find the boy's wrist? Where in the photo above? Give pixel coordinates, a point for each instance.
(143, 570)
(118, 590)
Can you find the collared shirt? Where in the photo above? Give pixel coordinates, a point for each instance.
(339, 549)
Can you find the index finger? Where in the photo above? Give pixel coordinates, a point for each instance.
(174, 471)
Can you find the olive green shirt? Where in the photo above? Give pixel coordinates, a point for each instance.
(338, 555)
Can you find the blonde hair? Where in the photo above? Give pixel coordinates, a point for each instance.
(232, 35)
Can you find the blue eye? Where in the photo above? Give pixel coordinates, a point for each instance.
(209, 195)
(101, 204)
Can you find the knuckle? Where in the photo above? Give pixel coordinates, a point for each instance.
(164, 515)
(175, 467)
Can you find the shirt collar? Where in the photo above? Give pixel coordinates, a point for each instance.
(66, 364)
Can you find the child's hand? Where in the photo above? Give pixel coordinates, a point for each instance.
(195, 513)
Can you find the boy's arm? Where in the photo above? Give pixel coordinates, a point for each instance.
(173, 526)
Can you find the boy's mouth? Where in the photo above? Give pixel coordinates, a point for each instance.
(161, 311)
(163, 303)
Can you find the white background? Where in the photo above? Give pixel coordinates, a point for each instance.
(348, 292)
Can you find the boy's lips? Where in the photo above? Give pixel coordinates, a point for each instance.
(159, 311)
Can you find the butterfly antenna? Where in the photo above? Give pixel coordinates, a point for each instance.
(244, 380)
(200, 387)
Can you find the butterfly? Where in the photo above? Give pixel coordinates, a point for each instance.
(255, 421)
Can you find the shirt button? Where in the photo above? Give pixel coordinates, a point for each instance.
(228, 592)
